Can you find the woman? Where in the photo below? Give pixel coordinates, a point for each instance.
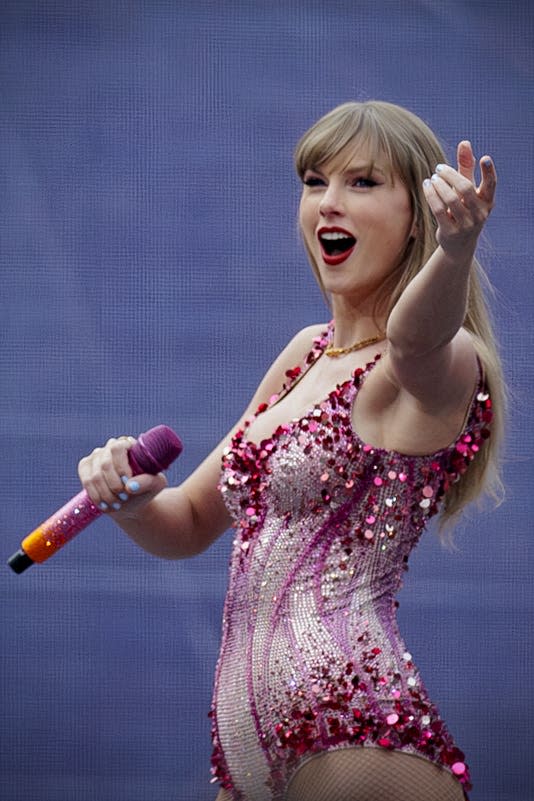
(360, 431)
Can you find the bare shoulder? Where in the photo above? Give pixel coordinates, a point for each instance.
(304, 338)
(291, 356)
(299, 346)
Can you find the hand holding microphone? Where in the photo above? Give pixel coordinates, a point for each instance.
(152, 453)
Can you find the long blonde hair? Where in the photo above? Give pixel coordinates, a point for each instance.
(410, 150)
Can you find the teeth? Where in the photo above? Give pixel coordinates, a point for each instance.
(333, 235)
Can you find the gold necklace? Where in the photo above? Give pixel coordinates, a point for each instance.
(363, 343)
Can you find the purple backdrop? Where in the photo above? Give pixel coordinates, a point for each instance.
(147, 228)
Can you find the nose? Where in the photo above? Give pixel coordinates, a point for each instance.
(331, 202)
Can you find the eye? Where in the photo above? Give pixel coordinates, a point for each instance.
(364, 183)
(312, 180)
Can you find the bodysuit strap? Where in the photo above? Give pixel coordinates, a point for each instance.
(479, 390)
(295, 374)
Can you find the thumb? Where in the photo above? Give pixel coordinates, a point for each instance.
(466, 160)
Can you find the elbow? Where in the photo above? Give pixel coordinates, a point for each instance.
(418, 339)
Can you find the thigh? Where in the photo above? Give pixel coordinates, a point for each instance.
(372, 774)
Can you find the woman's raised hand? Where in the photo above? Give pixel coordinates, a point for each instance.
(459, 206)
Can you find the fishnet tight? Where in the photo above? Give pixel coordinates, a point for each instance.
(369, 774)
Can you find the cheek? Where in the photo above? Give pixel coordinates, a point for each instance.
(404, 226)
(306, 219)
(409, 217)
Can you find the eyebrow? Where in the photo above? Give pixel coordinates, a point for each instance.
(364, 168)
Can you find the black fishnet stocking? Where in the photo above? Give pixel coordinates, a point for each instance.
(372, 774)
(369, 774)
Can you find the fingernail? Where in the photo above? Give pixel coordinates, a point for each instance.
(103, 506)
(435, 178)
(487, 162)
(123, 496)
(133, 486)
(427, 182)
(116, 506)
(124, 479)
(440, 167)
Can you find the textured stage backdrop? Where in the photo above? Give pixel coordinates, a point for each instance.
(151, 270)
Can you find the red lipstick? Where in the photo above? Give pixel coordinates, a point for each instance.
(337, 244)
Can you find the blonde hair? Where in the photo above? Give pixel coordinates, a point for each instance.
(408, 148)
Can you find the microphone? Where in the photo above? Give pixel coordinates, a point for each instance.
(153, 452)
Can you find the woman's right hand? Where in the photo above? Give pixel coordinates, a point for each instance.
(107, 478)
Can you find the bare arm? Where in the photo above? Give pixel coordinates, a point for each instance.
(429, 354)
(176, 522)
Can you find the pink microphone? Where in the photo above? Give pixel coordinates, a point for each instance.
(153, 452)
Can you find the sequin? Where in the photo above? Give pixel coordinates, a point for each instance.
(311, 657)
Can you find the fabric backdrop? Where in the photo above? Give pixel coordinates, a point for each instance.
(151, 270)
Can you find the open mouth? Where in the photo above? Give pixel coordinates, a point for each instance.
(336, 245)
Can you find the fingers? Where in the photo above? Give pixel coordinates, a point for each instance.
(102, 472)
(453, 195)
(106, 476)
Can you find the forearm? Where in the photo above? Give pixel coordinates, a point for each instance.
(168, 527)
(432, 308)
(163, 526)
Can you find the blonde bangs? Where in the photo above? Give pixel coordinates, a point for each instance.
(335, 137)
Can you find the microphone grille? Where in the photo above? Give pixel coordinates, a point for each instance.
(155, 450)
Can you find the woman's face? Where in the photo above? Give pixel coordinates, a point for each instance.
(355, 222)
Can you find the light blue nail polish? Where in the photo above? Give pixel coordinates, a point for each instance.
(116, 506)
(103, 506)
(124, 479)
(123, 496)
(427, 182)
(134, 486)
(487, 162)
(440, 167)
(435, 178)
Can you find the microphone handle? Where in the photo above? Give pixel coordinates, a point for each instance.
(41, 543)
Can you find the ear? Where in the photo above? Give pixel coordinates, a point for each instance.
(416, 216)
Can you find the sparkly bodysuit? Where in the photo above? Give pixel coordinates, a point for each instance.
(311, 656)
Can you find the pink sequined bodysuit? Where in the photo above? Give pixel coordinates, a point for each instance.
(311, 656)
